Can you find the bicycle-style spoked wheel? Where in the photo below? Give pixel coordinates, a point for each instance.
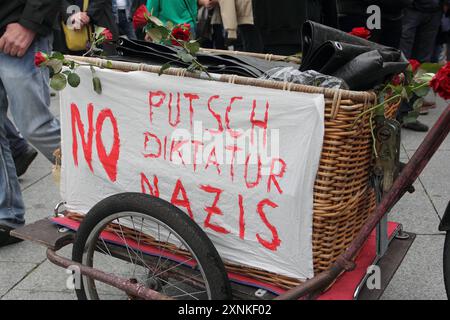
(148, 241)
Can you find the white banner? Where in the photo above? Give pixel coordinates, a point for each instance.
(240, 160)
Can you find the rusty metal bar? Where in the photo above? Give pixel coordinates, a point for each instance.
(132, 289)
(409, 174)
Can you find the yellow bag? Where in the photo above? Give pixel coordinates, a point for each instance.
(76, 40)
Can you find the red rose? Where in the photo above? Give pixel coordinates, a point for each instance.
(398, 79)
(415, 65)
(181, 32)
(107, 35)
(360, 32)
(40, 58)
(441, 82)
(140, 17)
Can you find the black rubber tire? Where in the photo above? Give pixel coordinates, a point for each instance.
(447, 264)
(173, 217)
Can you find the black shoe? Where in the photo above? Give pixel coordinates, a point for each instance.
(5, 238)
(24, 160)
(416, 126)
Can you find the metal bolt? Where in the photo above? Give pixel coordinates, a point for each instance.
(260, 293)
(384, 134)
(63, 230)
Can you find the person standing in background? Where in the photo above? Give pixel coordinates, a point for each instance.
(25, 28)
(99, 13)
(280, 22)
(443, 38)
(176, 11)
(421, 23)
(123, 14)
(236, 16)
(353, 14)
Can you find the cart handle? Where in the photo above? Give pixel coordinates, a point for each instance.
(132, 289)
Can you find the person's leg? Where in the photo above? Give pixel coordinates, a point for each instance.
(390, 33)
(218, 38)
(410, 23)
(29, 98)
(23, 154)
(251, 39)
(12, 208)
(426, 36)
(17, 143)
(125, 25)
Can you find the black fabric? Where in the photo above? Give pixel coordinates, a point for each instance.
(216, 63)
(390, 9)
(280, 22)
(334, 52)
(37, 15)
(427, 5)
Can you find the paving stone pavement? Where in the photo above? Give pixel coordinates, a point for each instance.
(25, 273)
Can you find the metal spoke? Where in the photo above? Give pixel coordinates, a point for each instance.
(137, 256)
(192, 293)
(179, 264)
(154, 269)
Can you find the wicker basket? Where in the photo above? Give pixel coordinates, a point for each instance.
(343, 198)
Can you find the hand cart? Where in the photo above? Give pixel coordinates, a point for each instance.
(112, 238)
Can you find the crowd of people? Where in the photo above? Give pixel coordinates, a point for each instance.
(420, 28)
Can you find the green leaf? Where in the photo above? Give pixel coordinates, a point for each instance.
(97, 85)
(421, 92)
(66, 72)
(158, 33)
(99, 30)
(192, 67)
(164, 67)
(430, 67)
(185, 57)
(109, 64)
(170, 25)
(56, 65)
(58, 82)
(57, 55)
(410, 117)
(193, 47)
(417, 105)
(156, 21)
(73, 79)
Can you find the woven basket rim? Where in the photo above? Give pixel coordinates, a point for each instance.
(335, 94)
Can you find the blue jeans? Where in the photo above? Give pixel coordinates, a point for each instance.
(125, 25)
(26, 88)
(17, 144)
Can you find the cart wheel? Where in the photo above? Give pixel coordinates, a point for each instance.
(149, 241)
(447, 264)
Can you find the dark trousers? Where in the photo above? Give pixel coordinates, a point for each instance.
(125, 25)
(420, 30)
(250, 38)
(389, 34)
(17, 144)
